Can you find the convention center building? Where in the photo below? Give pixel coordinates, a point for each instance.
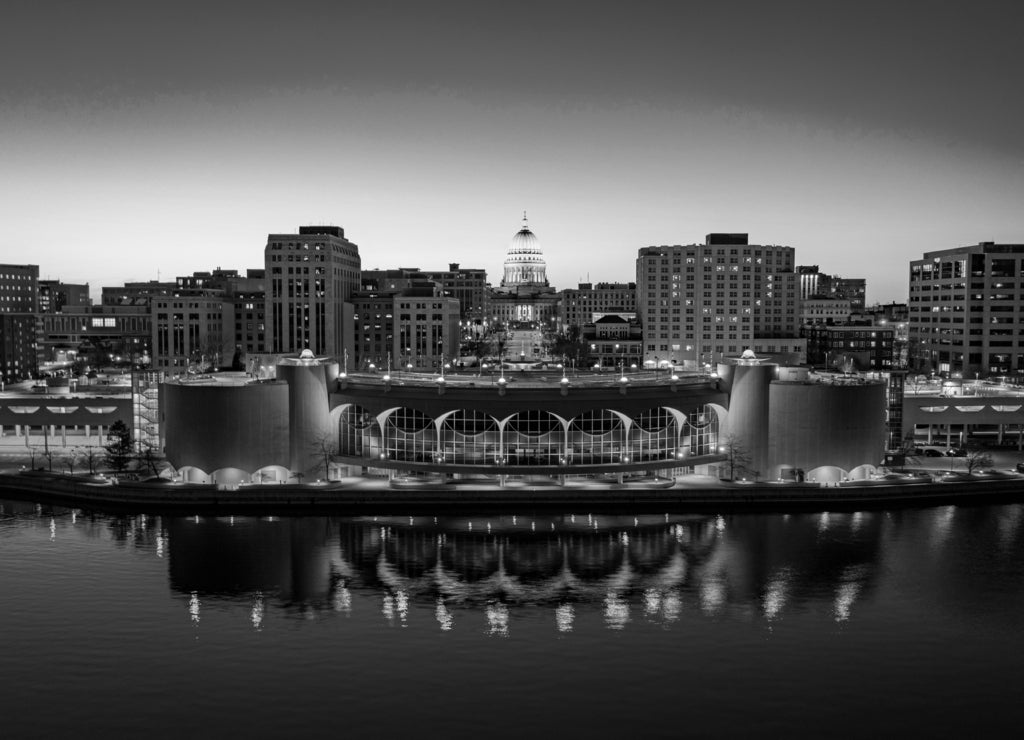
(309, 421)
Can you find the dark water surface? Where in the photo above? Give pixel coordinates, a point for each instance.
(876, 623)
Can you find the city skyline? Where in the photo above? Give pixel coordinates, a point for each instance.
(160, 141)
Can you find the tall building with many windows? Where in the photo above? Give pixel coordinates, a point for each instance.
(19, 312)
(965, 310)
(588, 302)
(311, 277)
(702, 302)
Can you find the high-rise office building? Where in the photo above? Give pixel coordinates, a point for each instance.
(19, 314)
(311, 278)
(965, 311)
(700, 302)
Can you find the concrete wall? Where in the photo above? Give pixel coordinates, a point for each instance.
(309, 415)
(818, 424)
(215, 426)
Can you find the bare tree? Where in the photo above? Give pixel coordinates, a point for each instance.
(150, 458)
(48, 454)
(737, 455)
(92, 458)
(908, 450)
(71, 458)
(325, 446)
(977, 458)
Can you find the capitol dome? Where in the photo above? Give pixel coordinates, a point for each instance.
(524, 262)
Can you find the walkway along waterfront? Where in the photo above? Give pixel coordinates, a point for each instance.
(360, 494)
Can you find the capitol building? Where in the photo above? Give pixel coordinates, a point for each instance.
(525, 297)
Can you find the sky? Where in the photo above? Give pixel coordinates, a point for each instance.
(143, 140)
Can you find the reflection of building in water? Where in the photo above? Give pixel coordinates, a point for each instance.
(291, 558)
(624, 567)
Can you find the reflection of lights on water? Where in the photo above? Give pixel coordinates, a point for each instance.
(671, 605)
(74, 517)
(856, 521)
(342, 599)
(193, 607)
(712, 595)
(845, 596)
(572, 518)
(488, 527)
(565, 615)
(402, 605)
(823, 522)
(195, 519)
(682, 534)
(533, 526)
(775, 594)
(231, 521)
(652, 602)
(720, 523)
(497, 619)
(256, 612)
(942, 525)
(849, 589)
(53, 529)
(444, 617)
(396, 605)
(624, 538)
(616, 611)
(160, 545)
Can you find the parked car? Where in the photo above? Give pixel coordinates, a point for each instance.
(932, 453)
(956, 452)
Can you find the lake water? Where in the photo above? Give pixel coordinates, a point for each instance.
(834, 624)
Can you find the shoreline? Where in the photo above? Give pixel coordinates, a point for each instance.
(359, 495)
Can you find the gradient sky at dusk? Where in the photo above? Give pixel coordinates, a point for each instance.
(138, 137)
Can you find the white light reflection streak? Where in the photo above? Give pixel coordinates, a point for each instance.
(616, 611)
(849, 589)
(712, 595)
(942, 525)
(402, 606)
(342, 599)
(256, 612)
(775, 594)
(671, 605)
(53, 529)
(193, 607)
(565, 615)
(497, 619)
(444, 617)
(652, 603)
